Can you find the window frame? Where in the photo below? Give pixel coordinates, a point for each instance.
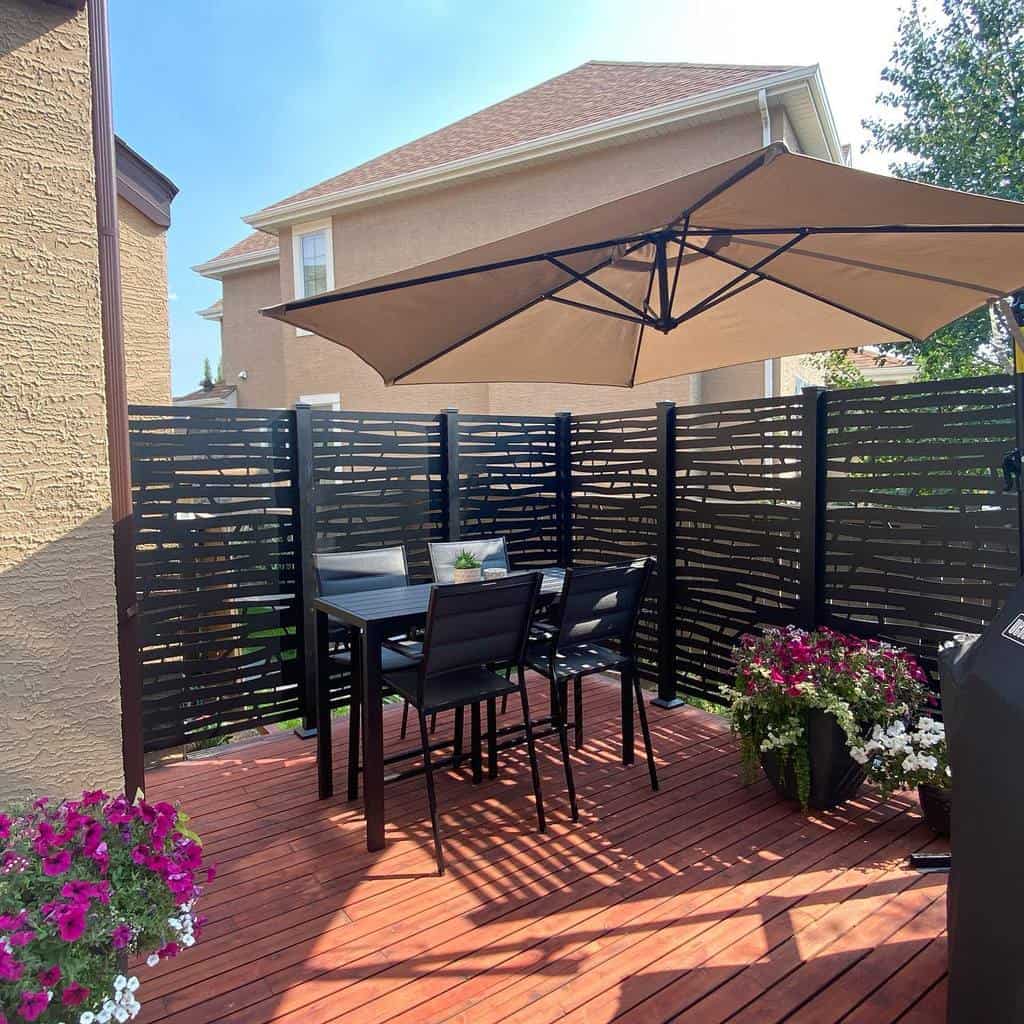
(329, 401)
(300, 231)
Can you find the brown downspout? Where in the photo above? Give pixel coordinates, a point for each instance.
(117, 398)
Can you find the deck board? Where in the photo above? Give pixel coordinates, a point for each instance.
(708, 901)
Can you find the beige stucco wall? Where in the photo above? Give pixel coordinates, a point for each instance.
(58, 654)
(144, 306)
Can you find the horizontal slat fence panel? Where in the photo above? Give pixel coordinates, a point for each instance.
(378, 481)
(922, 542)
(614, 473)
(738, 521)
(508, 484)
(215, 518)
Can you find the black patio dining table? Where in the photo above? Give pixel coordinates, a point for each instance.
(373, 616)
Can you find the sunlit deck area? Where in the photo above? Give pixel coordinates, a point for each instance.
(707, 901)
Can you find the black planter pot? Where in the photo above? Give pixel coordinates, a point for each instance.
(937, 804)
(835, 776)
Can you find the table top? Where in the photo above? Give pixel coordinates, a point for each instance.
(401, 604)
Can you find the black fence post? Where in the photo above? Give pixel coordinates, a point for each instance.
(305, 514)
(813, 497)
(563, 486)
(450, 468)
(666, 555)
(1019, 396)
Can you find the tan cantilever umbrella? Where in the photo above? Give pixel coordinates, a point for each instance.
(769, 254)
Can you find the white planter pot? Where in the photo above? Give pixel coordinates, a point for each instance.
(466, 575)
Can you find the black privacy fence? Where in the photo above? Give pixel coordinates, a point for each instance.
(880, 511)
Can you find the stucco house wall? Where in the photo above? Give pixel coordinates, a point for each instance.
(58, 654)
(144, 306)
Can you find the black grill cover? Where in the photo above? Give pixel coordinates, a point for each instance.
(983, 706)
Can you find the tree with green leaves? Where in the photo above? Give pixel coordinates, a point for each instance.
(207, 381)
(956, 86)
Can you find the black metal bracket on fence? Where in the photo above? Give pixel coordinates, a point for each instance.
(306, 533)
(813, 481)
(1018, 380)
(563, 485)
(666, 555)
(449, 419)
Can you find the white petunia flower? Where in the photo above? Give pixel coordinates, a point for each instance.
(87, 1018)
(133, 984)
(152, 960)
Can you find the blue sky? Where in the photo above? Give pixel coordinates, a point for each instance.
(242, 102)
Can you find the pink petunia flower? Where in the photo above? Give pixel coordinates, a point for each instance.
(5, 826)
(71, 923)
(172, 949)
(22, 938)
(121, 936)
(10, 969)
(56, 863)
(12, 922)
(74, 994)
(50, 976)
(33, 1005)
(91, 797)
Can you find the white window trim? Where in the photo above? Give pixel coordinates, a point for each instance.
(330, 399)
(309, 228)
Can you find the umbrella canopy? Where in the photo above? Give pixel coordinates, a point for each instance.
(766, 255)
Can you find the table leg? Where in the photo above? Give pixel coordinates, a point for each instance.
(373, 738)
(355, 713)
(321, 687)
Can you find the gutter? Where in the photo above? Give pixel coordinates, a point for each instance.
(652, 118)
(119, 452)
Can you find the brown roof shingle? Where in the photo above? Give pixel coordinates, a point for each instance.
(587, 95)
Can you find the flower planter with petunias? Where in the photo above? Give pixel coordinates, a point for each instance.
(801, 701)
(86, 886)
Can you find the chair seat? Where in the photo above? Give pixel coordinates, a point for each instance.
(391, 660)
(456, 689)
(580, 660)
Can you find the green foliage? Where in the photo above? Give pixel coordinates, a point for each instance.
(207, 381)
(467, 560)
(956, 85)
(839, 371)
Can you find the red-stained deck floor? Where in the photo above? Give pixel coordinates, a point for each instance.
(708, 901)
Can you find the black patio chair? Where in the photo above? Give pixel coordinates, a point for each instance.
(469, 627)
(595, 631)
(351, 572)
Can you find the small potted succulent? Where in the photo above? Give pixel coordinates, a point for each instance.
(898, 757)
(801, 701)
(467, 568)
(86, 886)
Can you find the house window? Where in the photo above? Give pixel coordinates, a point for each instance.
(313, 255)
(799, 384)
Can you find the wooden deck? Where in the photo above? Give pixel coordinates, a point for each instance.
(709, 901)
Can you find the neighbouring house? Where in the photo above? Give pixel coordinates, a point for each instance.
(64, 448)
(144, 198)
(217, 395)
(618, 127)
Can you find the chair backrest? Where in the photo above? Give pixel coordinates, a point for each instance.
(350, 572)
(602, 604)
(489, 551)
(474, 624)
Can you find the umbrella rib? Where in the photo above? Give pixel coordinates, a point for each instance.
(596, 309)
(868, 229)
(766, 154)
(643, 326)
(583, 279)
(762, 276)
(710, 300)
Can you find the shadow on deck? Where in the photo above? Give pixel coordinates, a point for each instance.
(708, 901)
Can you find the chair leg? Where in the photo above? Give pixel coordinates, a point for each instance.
(405, 719)
(504, 703)
(645, 729)
(532, 751)
(577, 686)
(476, 756)
(558, 718)
(428, 772)
(460, 723)
(492, 739)
(433, 722)
(628, 752)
